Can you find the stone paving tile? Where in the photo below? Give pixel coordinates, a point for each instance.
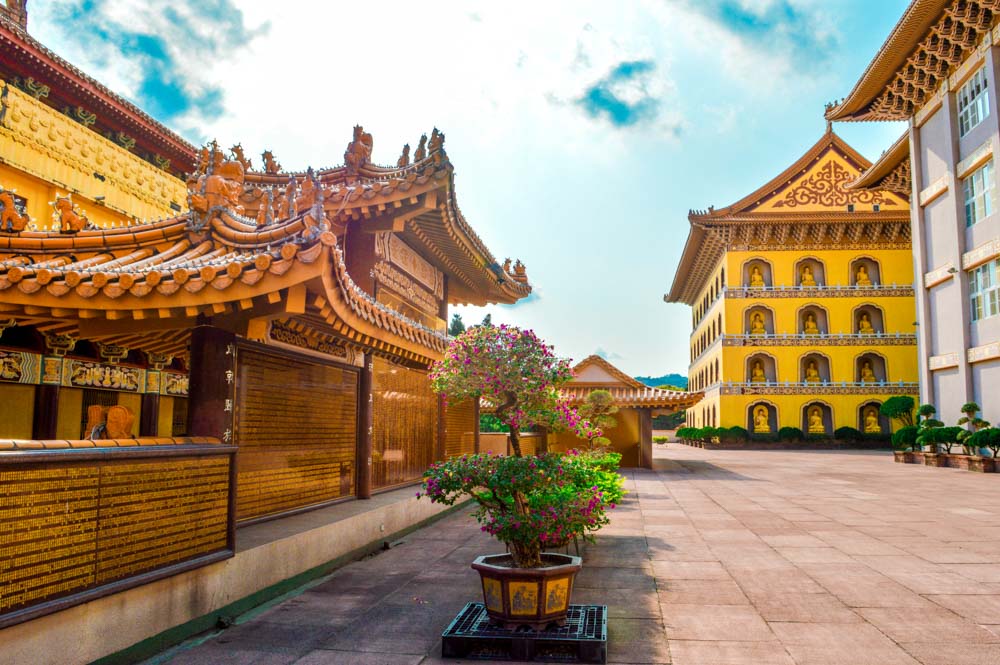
(690, 652)
(715, 558)
(934, 625)
(700, 592)
(954, 653)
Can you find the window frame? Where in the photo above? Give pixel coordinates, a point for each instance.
(973, 102)
(977, 194)
(984, 298)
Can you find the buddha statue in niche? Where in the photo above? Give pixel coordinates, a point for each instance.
(872, 425)
(756, 277)
(862, 278)
(812, 373)
(760, 421)
(867, 375)
(806, 277)
(757, 324)
(816, 421)
(865, 326)
(809, 326)
(757, 374)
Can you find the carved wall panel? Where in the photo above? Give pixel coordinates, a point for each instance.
(460, 428)
(404, 433)
(296, 427)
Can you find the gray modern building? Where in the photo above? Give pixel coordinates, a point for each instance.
(938, 71)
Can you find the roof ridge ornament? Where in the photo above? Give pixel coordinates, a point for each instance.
(359, 151)
(215, 191)
(12, 220)
(271, 165)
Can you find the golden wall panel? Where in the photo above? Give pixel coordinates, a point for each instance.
(40, 141)
(68, 527)
(404, 414)
(460, 428)
(296, 426)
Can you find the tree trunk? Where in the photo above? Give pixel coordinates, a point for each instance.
(515, 441)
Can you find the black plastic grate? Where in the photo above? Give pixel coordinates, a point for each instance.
(583, 639)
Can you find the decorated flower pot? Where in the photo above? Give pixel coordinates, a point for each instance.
(532, 597)
(933, 459)
(899, 456)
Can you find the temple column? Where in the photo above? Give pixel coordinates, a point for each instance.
(46, 414)
(149, 418)
(212, 383)
(475, 407)
(646, 438)
(441, 444)
(364, 449)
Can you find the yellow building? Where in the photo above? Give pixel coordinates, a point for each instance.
(63, 135)
(802, 301)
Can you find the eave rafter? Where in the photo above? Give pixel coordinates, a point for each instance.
(959, 28)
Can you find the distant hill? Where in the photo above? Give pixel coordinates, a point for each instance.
(665, 380)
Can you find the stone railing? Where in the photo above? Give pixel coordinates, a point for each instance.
(824, 291)
(823, 339)
(822, 388)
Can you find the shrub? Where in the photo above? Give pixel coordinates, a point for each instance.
(925, 411)
(847, 434)
(790, 434)
(988, 437)
(905, 438)
(706, 433)
(660, 439)
(899, 408)
(735, 433)
(685, 433)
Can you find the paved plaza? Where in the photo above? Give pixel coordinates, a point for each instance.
(715, 558)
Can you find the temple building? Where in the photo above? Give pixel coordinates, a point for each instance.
(937, 71)
(802, 301)
(190, 344)
(637, 405)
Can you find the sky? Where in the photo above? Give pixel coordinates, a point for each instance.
(582, 132)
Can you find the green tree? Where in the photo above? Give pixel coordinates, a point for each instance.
(599, 409)
(487, 321)
(899, 408)
(456, 327)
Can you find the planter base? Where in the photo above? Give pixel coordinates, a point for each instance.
(533, 597)
(584, 638)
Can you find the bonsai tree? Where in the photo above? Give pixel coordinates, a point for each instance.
(899, 408)
(905, 438)
(599, 410)
(988, 437)
(528, 503)
(925, 412)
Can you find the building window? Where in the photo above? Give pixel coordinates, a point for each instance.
(978, 189)
(973, 102)
(984, 292)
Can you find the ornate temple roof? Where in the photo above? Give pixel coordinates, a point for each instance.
(931, 39)
(253, 245)
(806, 206)
(595, 373)
(64, 85)
(890, 172)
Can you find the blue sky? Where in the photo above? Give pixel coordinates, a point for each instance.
(582, 132)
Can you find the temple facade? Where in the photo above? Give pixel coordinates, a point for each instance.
(938, 71)
(191, 342)
(802, 301)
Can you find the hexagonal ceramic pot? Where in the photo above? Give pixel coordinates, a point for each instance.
(532, 597)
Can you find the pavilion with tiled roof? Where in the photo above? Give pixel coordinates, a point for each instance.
(637, 404)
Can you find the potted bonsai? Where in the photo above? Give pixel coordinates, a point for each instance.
(928, 442)
(987, 437)
(528, 503)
